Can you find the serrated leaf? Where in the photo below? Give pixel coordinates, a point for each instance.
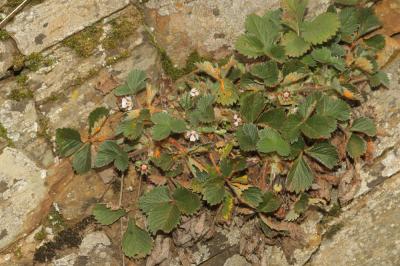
(165, 125)
(324, 56)
(268, 71)
(294, 11)
(214, 190)
(318, 126)
(270, 202)
(251, 106)
(325, 153)
(300, 176)
(227, 93)
(336, 108)
(227, 207)
(109, 151)
(368, 21)
(307, 107)
(273, 118)
(82, 161)
(164, 161)
(96, 115)
(68, 141)
(105, 215)
(378, 79)
(249, 46)
(204, 108)
(320, 29)
(295, 45)
(271, 141)
(154, 198)
(247, 136)
(164, 217)
(208, 68)
(136, 242)
(130, 128)
(364, 125)
(301, 205)
(348, 23)
(252, 196)
(291, 127)
(356, 146)
(377, 42)
(187, 201)
(135, 82)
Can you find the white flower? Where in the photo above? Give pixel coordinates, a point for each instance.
(194, 92)
(286, 94)
(126, 103)
(192, 135)
(236, 120)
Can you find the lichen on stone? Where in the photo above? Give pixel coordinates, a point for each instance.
(85, 42)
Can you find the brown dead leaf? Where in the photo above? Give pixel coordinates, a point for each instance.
(364, 64)
(106, 82)
(369, 154)
(349, 185)
(339, 141)
(388, 12)
(295, 231)
(158, 180)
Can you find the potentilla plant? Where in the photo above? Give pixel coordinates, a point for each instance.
(255, 132)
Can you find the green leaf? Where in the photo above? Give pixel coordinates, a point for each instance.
(164, 162)
(324, 56)
(160, 132)
(320, 29)
(96, 115)
(347, 2)
(135, 82)
(165, 125)
(227, 207)
(187, 201)
(291, 127)
(273, 117)
(378, 79)
(251, 106)
(105, 215)
(294, 11)
(300, 176)
(252, 196)
(348, 23)
(377, 42)
(247, 136)
(205, 109)
(318, 126)
(109, 151)
(154, 198)
(130, 128)
(295, 45)
(164, 217)
(307, 107)
(301, 205)
(68, 141)
(249, 46)
(325, 153)
(268, 71)
(214, 190)
(356, 146)
(82, 161)
(270, 203)
(136, 242)
(333, 107)
(368, 21)
(364, 125)
(271, 141)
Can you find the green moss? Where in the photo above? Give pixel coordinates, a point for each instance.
(114, 59)
(43, 130)
(331, 231)
(4, 35)
(55, 221)
(176, 72)
(4, 135)
(18, 62)
(22, 92)
(85, 42)
(35, 61)
(40, 236)
(121, 29)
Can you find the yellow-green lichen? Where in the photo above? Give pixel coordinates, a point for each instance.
(41, 235)
(114, 59)
(55, 221)
(4, 136)
(4, 35)
(18, 62)
(22, 92)
(35, 61)
(43, 130)
(85, 42)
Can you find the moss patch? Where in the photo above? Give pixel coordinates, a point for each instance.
(35, 61)
(175, 72)
(85, 42)
(4, 136)
(22, 92)
(114, 59)
(4, 35)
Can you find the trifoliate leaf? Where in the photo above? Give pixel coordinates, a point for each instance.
(227, 207)
(68, 141)
(187, 201)
(82, 161)
(325, 153)
(154, 198)
(130, 128)
(273, 118)
(291, 127)
(271, 141)
(252, 196)
(96, 115)
(204, 108)
(296, 148)
(368, 21)
(165, 125)
(295, 45)
(227, 93)
(307, 107)
(251, 106)
(348, 24)
(268, 72)
(109, 151)
(249, 46)
(377, 42)
(333, 107)
(300, 176)
(247, 136)
(318, 126)
(320, 29)
(364, 125)
(356, 146)
(324, 56)
(164, 217)
(293, 13)
(136, 242)
(378, 79)
(270, 203)
(214, 190)
(105, 215)
(263, 28)
(135, 82)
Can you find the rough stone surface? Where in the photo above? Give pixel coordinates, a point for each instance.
(45, 24)
(22, 189)
(236, 260)
(370, 231)
(7, 51)
(209, 26)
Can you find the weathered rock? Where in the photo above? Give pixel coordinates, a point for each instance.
(46, 24)
(22, 189)
(7, 51)
(208, 26)
(368, 231)
(236, 260)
